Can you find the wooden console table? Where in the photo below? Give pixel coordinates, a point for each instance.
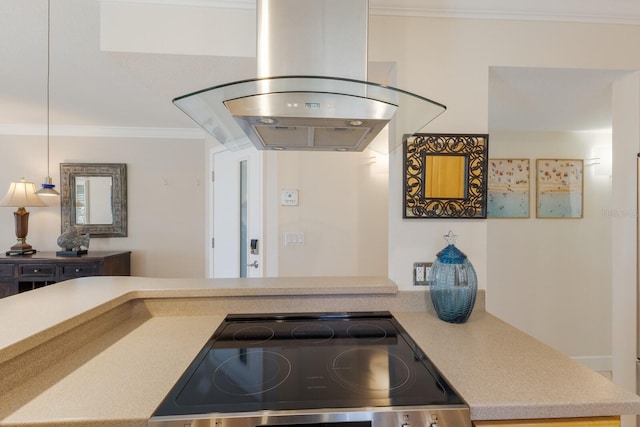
(27, 272)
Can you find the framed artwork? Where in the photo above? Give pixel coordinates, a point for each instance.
(559, 189)
(508, 182)
(445, 176)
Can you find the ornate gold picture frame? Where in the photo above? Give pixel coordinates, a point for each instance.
(445, 176)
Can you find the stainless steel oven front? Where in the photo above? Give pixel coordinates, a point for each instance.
(388, 417)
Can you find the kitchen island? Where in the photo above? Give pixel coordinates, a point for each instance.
(105, 351)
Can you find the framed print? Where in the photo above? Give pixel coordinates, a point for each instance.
(508, 191)
(445, 176)
(559, 189)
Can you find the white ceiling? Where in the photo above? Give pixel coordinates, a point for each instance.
(96, 89)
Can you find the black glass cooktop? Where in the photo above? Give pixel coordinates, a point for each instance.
(308, 361)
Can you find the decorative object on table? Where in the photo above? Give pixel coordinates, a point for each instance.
(559, 184)
(453, 283)
(508, 188)
(47, 188)
(72, 243)
(445, 176)
(21, 195)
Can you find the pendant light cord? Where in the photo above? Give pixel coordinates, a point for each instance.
(48, 189)
(48, 77)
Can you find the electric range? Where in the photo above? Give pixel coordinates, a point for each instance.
(357, 369)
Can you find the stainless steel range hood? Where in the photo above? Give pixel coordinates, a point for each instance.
(311, 91)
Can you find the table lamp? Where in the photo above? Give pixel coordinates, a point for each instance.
(21, 194)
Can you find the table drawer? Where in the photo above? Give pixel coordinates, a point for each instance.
(6, 270)
(37, 270)
(78, 270)
(25, 273)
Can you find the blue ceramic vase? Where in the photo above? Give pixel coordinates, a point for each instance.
(453, 283)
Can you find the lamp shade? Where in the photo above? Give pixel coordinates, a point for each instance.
(22, 194)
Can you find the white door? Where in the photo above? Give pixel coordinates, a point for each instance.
(237, 214)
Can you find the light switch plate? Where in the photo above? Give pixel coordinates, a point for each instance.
(293, 238)
(289, 197)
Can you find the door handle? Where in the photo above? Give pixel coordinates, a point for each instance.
(254, 264)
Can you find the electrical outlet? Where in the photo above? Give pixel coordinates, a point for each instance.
(421, 273)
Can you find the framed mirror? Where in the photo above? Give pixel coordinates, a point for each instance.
(94, 198)
(445, 176)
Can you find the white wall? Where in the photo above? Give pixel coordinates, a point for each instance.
(343, 204)
(552, 277)
(166, 194)
(342, 213)
(624, 253)
(448, 60)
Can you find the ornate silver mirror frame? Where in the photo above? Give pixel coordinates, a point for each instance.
(74, 180)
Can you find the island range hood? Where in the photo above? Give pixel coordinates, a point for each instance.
(311, 92)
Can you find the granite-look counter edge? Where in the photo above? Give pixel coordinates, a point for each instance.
(107, 379)
(33, 317)
(501, 371)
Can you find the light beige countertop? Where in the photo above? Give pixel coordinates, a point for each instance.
(105, 351)
(33, 317)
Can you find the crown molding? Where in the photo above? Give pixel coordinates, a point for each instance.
(227, 4)
(103, 131)
(506, 15)
(388, 8)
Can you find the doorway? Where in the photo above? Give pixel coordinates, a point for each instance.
(237, 245)
(552, 277)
